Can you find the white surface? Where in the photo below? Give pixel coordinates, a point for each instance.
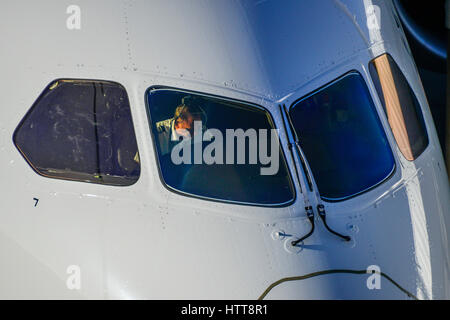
(143, 241)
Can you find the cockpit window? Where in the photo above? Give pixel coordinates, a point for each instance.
(401, 106)
(81, 130)
(217, 148)
(342, 137)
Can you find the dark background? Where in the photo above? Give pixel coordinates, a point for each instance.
(424, 26)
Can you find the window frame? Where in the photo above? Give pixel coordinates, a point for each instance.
(34, 105)
(232, 100)
(383, 127)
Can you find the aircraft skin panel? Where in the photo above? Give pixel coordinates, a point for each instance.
(145, 241)
(37, 35)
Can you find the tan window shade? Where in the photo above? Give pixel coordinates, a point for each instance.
(401, 106)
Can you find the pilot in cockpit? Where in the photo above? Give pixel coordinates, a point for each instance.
(181, 126)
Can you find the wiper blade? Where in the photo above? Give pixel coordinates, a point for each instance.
(305, 168)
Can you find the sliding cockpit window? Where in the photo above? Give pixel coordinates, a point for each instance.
(342, 137)
(401, 106)
(81, 130)
(218, 149)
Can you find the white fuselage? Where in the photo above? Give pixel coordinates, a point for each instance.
(145, 241)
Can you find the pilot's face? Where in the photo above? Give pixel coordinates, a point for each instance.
(187, 124)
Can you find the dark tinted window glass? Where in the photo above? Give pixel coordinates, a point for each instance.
(233, 171)
(342, 137)
(401, 106)
(81, 130)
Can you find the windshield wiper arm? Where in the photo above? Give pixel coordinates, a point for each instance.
(322, 214)
(310, 214)
(294, 141)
